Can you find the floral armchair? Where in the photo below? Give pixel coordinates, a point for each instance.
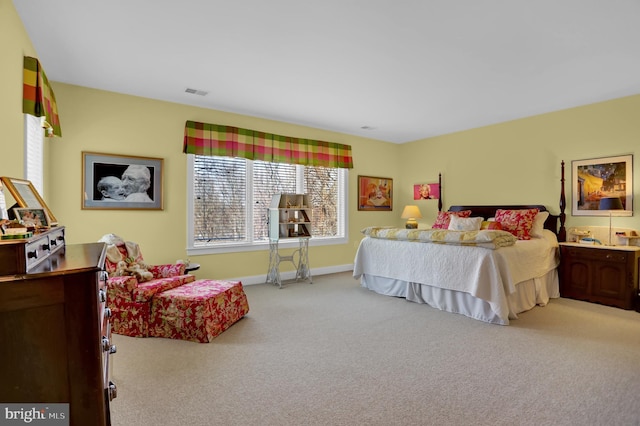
(130, 299)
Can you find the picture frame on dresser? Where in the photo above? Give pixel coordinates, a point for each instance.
(36, 218)
(597, 178)
(114, 181)
(27, 196)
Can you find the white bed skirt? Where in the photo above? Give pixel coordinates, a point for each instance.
(528, 294)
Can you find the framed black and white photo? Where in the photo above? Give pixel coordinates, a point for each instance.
(111, 181)
(602, 178)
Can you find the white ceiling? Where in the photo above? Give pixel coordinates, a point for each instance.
(405, 69)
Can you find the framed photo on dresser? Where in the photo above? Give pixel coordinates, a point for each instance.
(26, 196)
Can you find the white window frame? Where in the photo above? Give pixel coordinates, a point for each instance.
(341, 238)
(34, 151)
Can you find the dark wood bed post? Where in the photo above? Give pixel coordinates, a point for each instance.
(440, 191)
(562, 233)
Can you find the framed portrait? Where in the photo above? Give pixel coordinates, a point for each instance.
(598, 178)
(111, 181)
(426, 191)
(26, 196)
(375, 193)
(32, 217)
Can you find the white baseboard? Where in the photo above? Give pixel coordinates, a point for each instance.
(290, 275)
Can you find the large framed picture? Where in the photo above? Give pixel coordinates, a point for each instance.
(375, 193)
(599, 178)
(26, 196)
(111, 181)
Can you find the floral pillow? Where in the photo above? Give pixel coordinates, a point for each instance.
(443, 219)
(517, 222)
(464, 223)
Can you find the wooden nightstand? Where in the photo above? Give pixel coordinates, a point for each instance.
(601, 274)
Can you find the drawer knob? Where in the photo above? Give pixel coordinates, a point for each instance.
(106, 344)
(113, 349)
(113, 390)
(102, 295)
(107, 312)
(32, 254)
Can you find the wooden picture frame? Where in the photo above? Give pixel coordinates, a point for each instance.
(375, 193)
(112, 181)
(597, 178)
(36, 218)
(26, 196)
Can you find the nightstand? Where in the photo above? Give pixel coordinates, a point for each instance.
(601, 274)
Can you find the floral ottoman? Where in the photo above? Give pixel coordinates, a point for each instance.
(197, 311)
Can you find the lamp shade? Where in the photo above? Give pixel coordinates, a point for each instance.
(411, 212)
(611, 203)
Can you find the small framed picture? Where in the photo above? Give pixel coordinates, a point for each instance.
(36, 218)
(375, 193)
(426, 191)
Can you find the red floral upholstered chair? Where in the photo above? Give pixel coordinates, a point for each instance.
(132, 284)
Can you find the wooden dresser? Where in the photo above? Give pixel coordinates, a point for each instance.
(55, 336)
(601, 274)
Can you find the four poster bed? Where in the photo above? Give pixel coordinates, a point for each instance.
(488, 274)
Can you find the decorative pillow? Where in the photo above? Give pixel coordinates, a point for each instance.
(443, 219)
(491, 224)
(464, 223)
(538, 224)
(517, 222)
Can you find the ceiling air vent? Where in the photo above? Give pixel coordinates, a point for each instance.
(196, 92)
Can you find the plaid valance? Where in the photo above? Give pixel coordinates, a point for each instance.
(37, 96)
(227, 141)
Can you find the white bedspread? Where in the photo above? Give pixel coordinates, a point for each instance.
(487, 274)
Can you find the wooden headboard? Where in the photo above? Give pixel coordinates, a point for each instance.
(490, 211)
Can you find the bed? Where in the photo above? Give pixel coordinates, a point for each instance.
(492, 283)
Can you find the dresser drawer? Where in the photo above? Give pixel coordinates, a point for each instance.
(36, 251)
(596, 254)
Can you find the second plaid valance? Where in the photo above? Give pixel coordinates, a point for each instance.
(220, 140)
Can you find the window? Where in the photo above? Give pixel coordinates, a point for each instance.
(229, 200)
(33, 151)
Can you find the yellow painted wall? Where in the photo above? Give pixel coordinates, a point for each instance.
(513, 162)
(14, 46)
(518, 162)
(99, 121)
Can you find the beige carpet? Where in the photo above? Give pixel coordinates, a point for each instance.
(333, 353)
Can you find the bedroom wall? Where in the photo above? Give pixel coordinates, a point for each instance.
(14, 45)
(106, 122)
(518, 162)
(513, 162)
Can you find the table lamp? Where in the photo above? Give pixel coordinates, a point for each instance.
(610, 204)
(411, 213)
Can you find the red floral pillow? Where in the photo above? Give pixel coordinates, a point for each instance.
(518, 222)
(443, 219)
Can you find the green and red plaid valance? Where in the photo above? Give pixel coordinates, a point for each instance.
(37, 96)
(227, 141)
